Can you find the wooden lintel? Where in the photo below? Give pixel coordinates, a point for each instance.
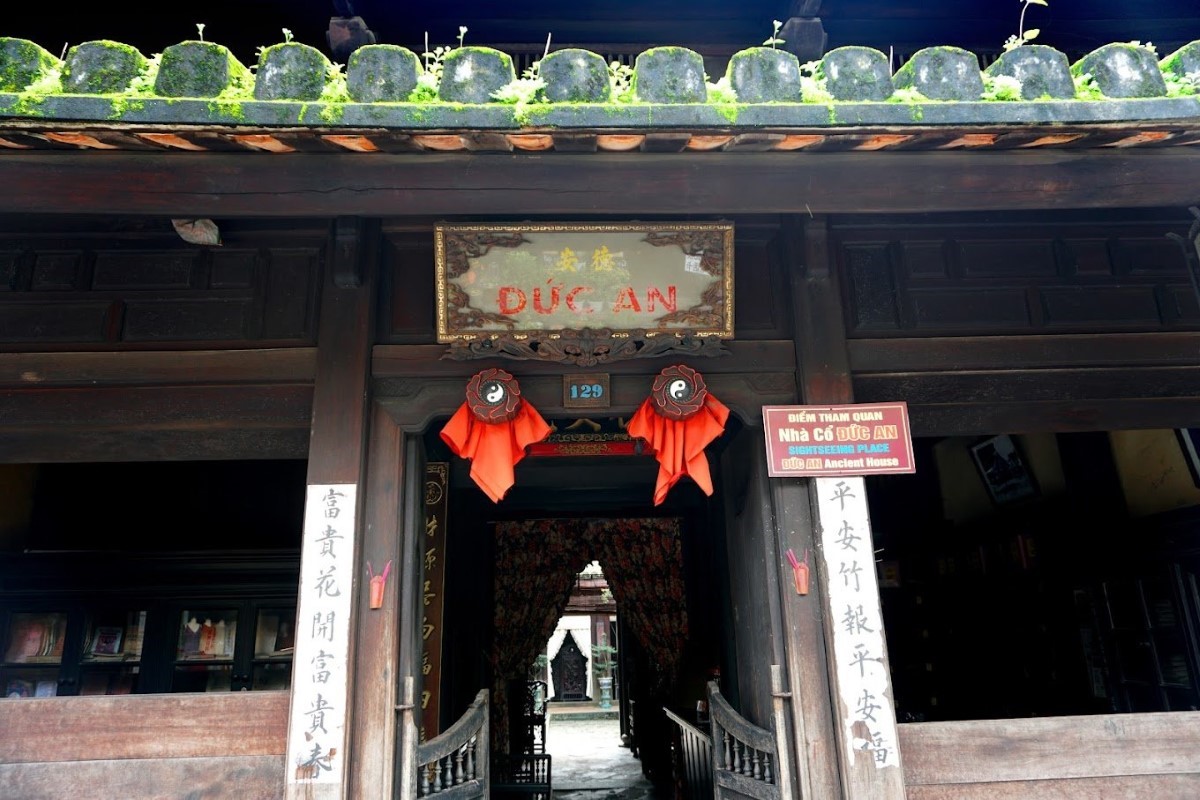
(299, 184)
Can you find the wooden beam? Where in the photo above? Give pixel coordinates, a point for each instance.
(258, 777)
(979, 418)
(282, 365)
(1163, 787)
(296, 185)
(143, 726)
(426, 360)
(1048, 748)
(939, 354)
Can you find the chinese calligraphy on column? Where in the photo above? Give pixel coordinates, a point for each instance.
(858, 644)
(320, 689)
(433, 548)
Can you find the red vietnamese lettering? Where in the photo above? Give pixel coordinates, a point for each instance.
(504, 298)
(537, 299)
(669, 302)
(571, 295)
(626, 299)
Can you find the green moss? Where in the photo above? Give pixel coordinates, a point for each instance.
(101, 67)
(123, 104)
(226, 108)
(332, 112)
(729, 111)
(28, 105)
(200, 69)
(22, 63)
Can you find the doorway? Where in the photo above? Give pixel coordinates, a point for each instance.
(511, 568)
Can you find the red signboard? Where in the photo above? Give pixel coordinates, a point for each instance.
(821, 441)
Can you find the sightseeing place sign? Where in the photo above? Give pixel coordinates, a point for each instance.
(539, 280)
(829, 441)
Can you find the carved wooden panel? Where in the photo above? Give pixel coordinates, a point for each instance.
(1011, 277)
(406, 302)
(77, 286)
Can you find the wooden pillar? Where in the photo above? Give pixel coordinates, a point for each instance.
(331, 592)
(863, 709)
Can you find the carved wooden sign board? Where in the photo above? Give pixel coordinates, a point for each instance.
(584, 293)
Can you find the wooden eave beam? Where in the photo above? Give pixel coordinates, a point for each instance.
(380, 185)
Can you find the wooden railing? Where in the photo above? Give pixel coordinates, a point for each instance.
(691, 759)
(454, 764)
(748, 760)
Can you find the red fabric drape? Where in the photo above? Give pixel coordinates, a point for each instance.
(494, 448)
(679, 444)
(536, 565)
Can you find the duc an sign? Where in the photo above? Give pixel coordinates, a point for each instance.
(826, 441)
(535, 280)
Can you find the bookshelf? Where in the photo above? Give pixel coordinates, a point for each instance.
(202, 623)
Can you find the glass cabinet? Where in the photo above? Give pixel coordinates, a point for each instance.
(185, 634)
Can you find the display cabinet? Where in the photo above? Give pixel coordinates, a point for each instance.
(200, 623)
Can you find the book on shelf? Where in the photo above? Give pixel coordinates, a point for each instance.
(35, 638)
(106, 641)
(19, 687)
(134, 633)
(45, 689)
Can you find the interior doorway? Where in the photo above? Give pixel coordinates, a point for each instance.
(511, 570)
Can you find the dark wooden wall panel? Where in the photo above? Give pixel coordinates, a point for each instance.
(94, 284)
(57, 272)
(407, 311)
(170, 269)
(289, 299)
(174, 320)
(54, 322)
(1013, 276)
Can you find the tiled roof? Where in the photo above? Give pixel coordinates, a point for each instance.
(812, 114)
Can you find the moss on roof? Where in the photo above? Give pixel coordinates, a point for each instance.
(33, 87)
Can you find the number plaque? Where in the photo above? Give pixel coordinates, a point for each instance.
(586, 391)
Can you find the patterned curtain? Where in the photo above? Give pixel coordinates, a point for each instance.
(643, 562)
(536, 565)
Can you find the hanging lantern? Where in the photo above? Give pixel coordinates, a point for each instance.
(678, 420)
(492, 428)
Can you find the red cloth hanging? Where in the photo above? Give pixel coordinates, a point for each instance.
(678, 441)
(494, 448)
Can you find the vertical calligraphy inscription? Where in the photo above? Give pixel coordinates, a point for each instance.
(432, 586)
(320, 688)
(864, 686)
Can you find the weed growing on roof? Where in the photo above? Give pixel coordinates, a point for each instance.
(1086, 88)
(774, 39)
(813, 84)
(525, 91)
(620, 79)
(908, 94)
(1024, 36)
(1182, 85)
(426, 90)
(1001, 87)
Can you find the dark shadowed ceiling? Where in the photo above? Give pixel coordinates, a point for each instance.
(1074, 26)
